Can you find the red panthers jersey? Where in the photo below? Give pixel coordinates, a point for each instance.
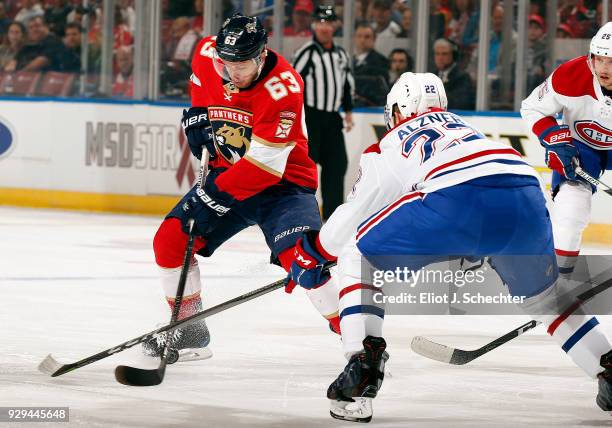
(260, 131)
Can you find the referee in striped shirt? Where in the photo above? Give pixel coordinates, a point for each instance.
(328, 85)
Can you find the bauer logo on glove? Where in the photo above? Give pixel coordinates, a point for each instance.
(560, 150)
(212, 204)
(190, 121)
(560, 137)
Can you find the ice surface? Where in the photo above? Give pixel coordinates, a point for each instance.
(74, 284)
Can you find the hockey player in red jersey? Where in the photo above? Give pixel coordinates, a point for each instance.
(581, 89)
(247, 112)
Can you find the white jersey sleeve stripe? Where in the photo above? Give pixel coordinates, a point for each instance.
(273, 158)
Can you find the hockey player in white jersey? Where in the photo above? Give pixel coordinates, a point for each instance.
(435, 186)
(581, 89)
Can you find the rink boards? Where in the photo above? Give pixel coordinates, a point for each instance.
(132, 157)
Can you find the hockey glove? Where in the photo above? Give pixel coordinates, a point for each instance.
(307, 267)
(560, 150)
(206, 206)
(199, 131)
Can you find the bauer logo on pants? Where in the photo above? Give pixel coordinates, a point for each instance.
(7, 139)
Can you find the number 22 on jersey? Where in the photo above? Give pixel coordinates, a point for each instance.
(427, 140)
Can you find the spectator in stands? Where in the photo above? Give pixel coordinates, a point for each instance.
(537, 56)
(177, 8)
(564, 31)
(72, 36)
(398, 8)
(176, 68)
(123, 85)
(360, 10)
(121, 32)
(406, 23)
(56, 16)
(580, 16)
(30, 9)
(301, 18)
(5, 21)
(70, 57)
(440, 7)
(94, 34)
(15, 39)
(41, 51)
(94, 50)
(400, 62)
(77, 13)
(438, 17)
(537, 7)
(370, 69)
(599, 13)
(496, 50)
(128, 14)
(383, 25)
(463, 13)
(184, 40)
(198, 19)
(457, 83)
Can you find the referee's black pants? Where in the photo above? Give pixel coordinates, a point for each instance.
(326, 147)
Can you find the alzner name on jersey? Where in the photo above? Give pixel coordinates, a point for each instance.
(443, 150)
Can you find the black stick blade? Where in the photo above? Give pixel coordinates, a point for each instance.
(133, 376)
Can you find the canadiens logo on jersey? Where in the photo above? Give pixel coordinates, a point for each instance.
(233, 129)
(594, 134)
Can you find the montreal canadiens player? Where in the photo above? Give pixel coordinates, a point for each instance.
(434, 185)
(247, 111)
(581, 89)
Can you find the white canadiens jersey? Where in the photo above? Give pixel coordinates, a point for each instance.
(424, 154)
(573, 90)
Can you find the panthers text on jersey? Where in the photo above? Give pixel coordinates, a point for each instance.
(260, 132)
(423, 154)
(573, 90)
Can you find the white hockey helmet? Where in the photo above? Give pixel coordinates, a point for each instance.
(601, 43)
(415, 93)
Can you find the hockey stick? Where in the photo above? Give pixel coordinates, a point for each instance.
(135, 376)
(595, 182)
(446, 354)
(53, 368)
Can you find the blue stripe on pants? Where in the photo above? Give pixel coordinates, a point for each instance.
(579, 334)
(363, 309)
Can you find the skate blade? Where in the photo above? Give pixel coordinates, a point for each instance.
(359, 410)
(194, 354)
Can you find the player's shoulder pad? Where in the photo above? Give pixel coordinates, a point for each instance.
(282, 66)
(374, 148)
(206, 46)
(283, 84)
(574, 78)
